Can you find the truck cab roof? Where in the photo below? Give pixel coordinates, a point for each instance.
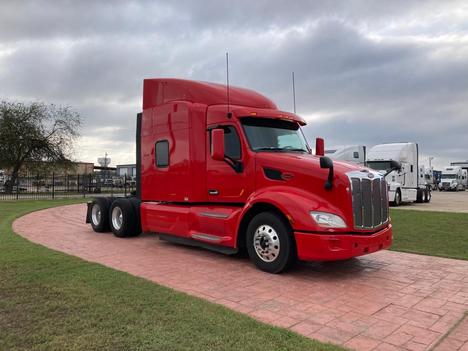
(243, 102)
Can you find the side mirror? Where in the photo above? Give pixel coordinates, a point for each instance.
(319, 147)
(326, 162)
(217, 144)
(395, 165)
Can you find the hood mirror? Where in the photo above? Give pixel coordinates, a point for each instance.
(326, 162)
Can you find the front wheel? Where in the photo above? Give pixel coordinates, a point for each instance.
(397, 201)
(270, 243)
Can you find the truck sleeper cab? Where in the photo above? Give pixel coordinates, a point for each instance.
(242, 176)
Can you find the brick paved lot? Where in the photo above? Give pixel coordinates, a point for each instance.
(384, 301)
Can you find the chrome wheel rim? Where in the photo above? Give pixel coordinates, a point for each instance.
(96, 214)
(117, 218)
(266, 243)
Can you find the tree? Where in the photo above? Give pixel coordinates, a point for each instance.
(34, 133)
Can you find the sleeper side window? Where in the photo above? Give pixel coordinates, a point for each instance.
(162, 153)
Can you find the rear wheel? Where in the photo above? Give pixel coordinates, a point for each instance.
(427, 195)
(270, 243)
(100, 214)
(420, 193)
(123, 218)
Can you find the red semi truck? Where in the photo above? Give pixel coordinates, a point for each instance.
(226, 170)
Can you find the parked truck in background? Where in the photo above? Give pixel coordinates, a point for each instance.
(405, 184)
(352, 153)
(426, 176)
(452, 179)
(437, 177)
(238, 174)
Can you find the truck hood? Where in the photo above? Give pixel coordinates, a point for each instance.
(305, 163)
(302, 172)
(300, 177)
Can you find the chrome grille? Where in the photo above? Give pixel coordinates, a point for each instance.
(369, 200)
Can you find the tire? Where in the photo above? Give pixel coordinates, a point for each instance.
(419, 195)
(427, 196)
(122, 218)
(136, 208)
(270, 243)
(100, 214)
(397, 201)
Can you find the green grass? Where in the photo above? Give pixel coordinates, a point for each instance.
(51, 301)
(442, 234)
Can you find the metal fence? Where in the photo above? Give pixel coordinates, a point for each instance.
(60, 186)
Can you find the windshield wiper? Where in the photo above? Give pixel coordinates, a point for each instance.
(295, 149)
(269, 148)
(273, 148)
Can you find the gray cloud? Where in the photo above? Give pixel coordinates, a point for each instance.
(366, 72)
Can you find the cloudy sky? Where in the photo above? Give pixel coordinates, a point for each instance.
(367, 72)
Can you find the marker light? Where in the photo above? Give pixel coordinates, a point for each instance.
(328, 220)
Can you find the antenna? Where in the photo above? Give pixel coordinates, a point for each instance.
(294, 92)
(229, 114)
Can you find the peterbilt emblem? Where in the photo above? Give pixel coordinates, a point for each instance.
(370, 175)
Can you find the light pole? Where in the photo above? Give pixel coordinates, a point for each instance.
(430, 161)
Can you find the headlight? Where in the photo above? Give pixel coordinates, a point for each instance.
(328, 220)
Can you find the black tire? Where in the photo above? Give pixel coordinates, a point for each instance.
(427, 196)
(280, 257)
(100, 214)
(122, 218)
(397, 201)
(420, 195)
(136, 208)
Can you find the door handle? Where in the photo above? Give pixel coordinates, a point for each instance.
(213, 192)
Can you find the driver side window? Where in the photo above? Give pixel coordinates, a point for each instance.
(232, 145)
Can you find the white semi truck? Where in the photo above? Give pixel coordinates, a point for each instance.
(426, 176)
(405, 184)
(352, 153)
(453, 178)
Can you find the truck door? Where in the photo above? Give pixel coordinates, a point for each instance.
(225, 184)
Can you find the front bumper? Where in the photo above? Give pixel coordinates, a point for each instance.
(332, 247)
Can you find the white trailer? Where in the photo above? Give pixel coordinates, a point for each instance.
(453, 179)
(405, 184)
(465, 179)
(352, 153)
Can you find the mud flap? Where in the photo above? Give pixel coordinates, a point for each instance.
(88, 211)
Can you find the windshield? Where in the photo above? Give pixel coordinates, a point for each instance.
(449, 176)
(274, 135)
(379, 165)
